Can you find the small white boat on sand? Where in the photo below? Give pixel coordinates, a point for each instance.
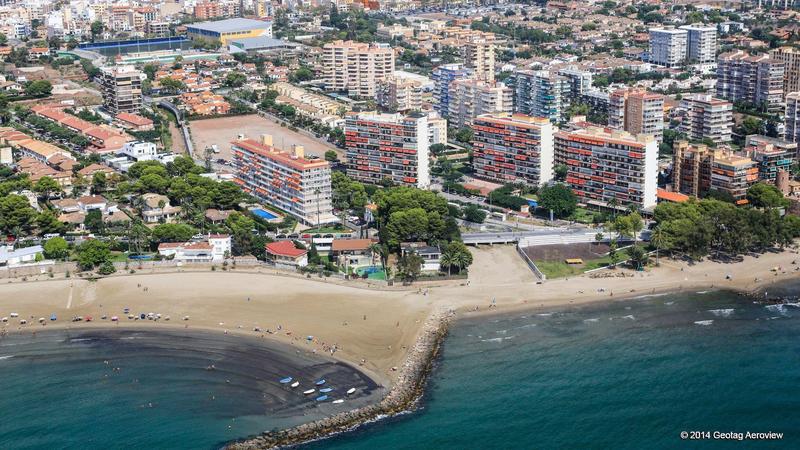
(309, 391)
(351, 391)
(336, 402)
(295, 384)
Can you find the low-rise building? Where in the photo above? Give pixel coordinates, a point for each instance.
(431, 256)
(156, 208)
(772, 155)
(286, 254)
(216, 248)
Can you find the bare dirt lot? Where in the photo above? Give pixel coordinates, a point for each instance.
(561, 252)
(221, 131)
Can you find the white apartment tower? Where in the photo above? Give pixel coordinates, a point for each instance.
(122, 89)
(668, 46)
(701, 43)
(356, 67)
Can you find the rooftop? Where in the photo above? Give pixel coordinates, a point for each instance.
(230, 25)
(285, 248)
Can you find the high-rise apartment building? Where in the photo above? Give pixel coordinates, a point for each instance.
(392, 147)
(792, 117)
(668, 46)
(289, 181)
(579, 81)
(513, 148)
(122, 89)
(400, 94)
(604, 164)
(442, 77)
(469, 99)
(637, 111)
(691, 168)
(791, 67)
(356, 67)
(756, 79)
(540, 94)
(771, 155)
(707, 117)
(479, 56)
(733, 174)
(701, 43)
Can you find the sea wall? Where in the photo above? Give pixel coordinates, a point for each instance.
(403, 396)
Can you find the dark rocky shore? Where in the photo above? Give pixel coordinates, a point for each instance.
(402, 397)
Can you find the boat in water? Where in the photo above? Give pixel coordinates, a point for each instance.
(309, 391)
(320, 382)
(326, 390)
(336, 402)
(295, 384)
(351, 391)
(322, 398)
(286, 380)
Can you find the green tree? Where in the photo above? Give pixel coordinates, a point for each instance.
(409, 267)
(457, 255)
(94, 221)
(762, 195)
(638, 256)
(558, 198)
(659, 240)
(46, 186)
(96, 28)
(331, 156)
(172, 85)
(99, 182)
(92, 253)
(560, 172)
(16, 214)
(39, 88)
(47, 222)
(106, 268)
(473, 213)
(56, 248)
(464, 135)
(235, 79)
(173, 232)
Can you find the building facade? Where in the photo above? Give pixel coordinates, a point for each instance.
(792, 117)
(604, 165)
(513, 148)
(691, 168)
(223, 31)
(400, 94)
(734, 175)
(637, 111)
(122, 89)
(469, 99)
(771, 155)
(791, 67)
(668, 46)
(540, 94)
(391, 147)
(701, 43)
(480, 58)
(288, 181)
(707, 117)
(356, 67)
(754, 79)
(442, 77)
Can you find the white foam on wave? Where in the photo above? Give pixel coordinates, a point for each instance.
(499, 339)
(530, 325)
(704, 323)
(501, 331)
(545, 314)
(793, 304)
(650, 295)
(722, 312)
(6, 357)
(591, 320)
(781, 309)
(702, 292)
(669, 303)
(80, 339)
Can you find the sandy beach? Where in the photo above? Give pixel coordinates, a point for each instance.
(370, 328)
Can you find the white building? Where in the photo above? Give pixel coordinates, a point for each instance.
(139, 150)
(668, 46)
(793, 117)
(214, 249)
(12, 258)
(701, 43)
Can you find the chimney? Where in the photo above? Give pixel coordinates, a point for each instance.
(298, 151)
(266, 139)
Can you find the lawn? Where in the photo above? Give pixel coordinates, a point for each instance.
(560, 269)
(583, 215)
(325, 230)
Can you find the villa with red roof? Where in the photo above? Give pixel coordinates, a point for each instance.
(286, 254)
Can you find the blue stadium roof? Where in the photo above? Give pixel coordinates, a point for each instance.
(230, 25)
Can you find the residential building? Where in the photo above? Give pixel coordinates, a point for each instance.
(437, 129)
(442, 77)
(309, 104)
(10, 257)
(668, 46)
(604, 165)
(791, 67)
(637, 111)
(707, 118)
(540, 94)
(156, 29)
(733, 174)
(285, 254)
(352, 253)
(289, 181)
(392, 147)
(469, 99)
(140, 151)
(155, 208)
(122, 89)
(691, 168)
(513, 148)
(754, 79)
(400, 94)
(701, 43)
(226, 30)
(771, 155)
(431, 256)
(356, 67)
(215, 248)
(579, 82)
(792, 117)
(479, 56)
(134, 122)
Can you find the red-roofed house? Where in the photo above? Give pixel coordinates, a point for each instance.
(134, 121)
(286, 254)
(668, 196)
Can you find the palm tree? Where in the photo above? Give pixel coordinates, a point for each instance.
(613, 203)
(460, 260)
(382, 252)
(658, 238)
(447, 260)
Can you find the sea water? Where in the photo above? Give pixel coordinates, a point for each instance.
(131, 389)
(632, 374)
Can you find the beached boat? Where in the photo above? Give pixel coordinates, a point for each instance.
(286, 380)
(309, 391)
(4, 319)
(320, 382)
(23, 321)
(351, 391)
(295, 384)
(326, 390)
(53, 317)
(114, 318)
(14, 315)
(336, 402)
(322, 398)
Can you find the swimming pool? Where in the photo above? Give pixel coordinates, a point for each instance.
(264, 214)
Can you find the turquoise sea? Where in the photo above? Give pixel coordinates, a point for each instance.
(631, 374)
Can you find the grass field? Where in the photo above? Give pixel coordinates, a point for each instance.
(560, 269)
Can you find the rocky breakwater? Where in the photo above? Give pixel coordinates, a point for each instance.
(403, 396)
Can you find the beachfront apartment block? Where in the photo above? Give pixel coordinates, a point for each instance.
(541, 94)
(755, 79)
(771, 155)
(121, 87)
(392, 147)
(691, 168)
(442, 77)
(707, 117)
(792, 117)
(605, 164)
(733, 174)
(469, 99)
(791, 67)
(356, 67)
(637, 111)
(701, 43)
(288, 181)
(668, 46)
(513, 148)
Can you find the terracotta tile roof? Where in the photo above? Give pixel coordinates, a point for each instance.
(671, 196)
(285, 248)
(134, 119)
